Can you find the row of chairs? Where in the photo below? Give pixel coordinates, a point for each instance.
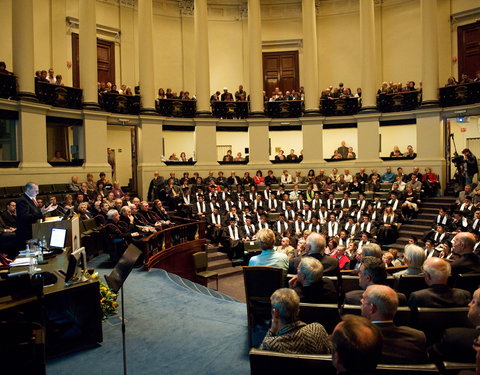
(267, 362)
(261, 282)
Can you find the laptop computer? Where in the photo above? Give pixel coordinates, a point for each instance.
(58, 238)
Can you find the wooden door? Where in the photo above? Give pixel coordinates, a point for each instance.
(469, 49)
(105, 61)
(280, 69)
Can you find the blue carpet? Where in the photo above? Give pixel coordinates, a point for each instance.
(171, 329)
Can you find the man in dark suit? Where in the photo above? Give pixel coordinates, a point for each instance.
(28, 212)
(316, 248)
(438, 294)
(310, 284)
(456, 343)
(467, 261)
(372, 272)
(400, 344)
(9, 216)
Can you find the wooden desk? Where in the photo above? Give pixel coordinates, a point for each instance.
(72, 313)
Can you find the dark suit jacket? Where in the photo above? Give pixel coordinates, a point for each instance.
(467, 263)
(402, 344)
(10, 220)
(27, 214)
(456, 345)
(353, 297)
(439, 296)
(322, 291)
(330, 264)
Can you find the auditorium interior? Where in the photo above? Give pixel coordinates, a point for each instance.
(337, 55)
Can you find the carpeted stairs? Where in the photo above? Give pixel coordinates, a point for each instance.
(423, 222)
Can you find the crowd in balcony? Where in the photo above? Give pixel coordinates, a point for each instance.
(340, 92)
(169, 94)
(111, 88)
(397, 87)
(451, 81)
(42, 76)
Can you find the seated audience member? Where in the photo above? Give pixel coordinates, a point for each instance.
(467, 261)
(3, 69)
(372, 272)
(343, 260)
(414, 258)
(232, 241)
(287, 334)
(357, 346)
(270, 178)
(280, 155)
(410, 153)
(74, 185)
(116, 229)
(456, 343)
(388, 176)
(57, 157)
(228, 157)
(315, 247)
(9, 216)
(268, 257)
(291, 155)
(396, 153)
(310, 284)
(438, 294)
(286, 248)
(400, 344)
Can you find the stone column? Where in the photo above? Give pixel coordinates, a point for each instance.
(368, 139)
(255, 57)
(367, 57)
(310, 58)
(146, 60)
(206, 142)
(312, 130)
(88, 53)
(202, 65)
(22, 40)
(32, 137)
(258, 138)
(428, 10)
(95, 140)
(149, 151)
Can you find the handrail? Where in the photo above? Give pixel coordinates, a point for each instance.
(174, 235)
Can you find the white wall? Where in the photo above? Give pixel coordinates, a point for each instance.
(463, 131)
(286, 140)
(238, 141)
(332, 139)
(178, 142)
(398, 135)
(119, 139)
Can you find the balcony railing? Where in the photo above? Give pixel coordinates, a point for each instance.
(117, 103)
(230, 110)
(284, 108)
(176, 107)
(460, 94)
(402, 101)
(8, 86)
(59, 96)
(339, 107)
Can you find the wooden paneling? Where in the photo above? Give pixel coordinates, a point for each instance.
(280, 69)
(469, 49)
(105, 61)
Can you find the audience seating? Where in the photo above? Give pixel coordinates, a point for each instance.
(433, 321)
(326, 314)
(260, 283)
(407, 284)
(349, 283)
(467, 281)
(267, 362)
(200, 260)
(90, 237)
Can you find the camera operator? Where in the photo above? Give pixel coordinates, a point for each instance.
(471, 166)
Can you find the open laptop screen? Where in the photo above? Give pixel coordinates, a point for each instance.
(58, 236)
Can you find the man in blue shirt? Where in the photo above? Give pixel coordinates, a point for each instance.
(388, 176)
(269, 257)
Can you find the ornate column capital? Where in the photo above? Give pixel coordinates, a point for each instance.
(186, 7)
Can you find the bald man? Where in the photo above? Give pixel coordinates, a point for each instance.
(466, 261)
(400, 344)
(438, 294)
(456, 343)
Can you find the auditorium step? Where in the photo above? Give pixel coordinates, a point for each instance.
(219, 262)
(422, 223)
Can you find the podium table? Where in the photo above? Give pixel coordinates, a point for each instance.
(73, 314)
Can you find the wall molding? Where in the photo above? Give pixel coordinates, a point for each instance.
(112, 32)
